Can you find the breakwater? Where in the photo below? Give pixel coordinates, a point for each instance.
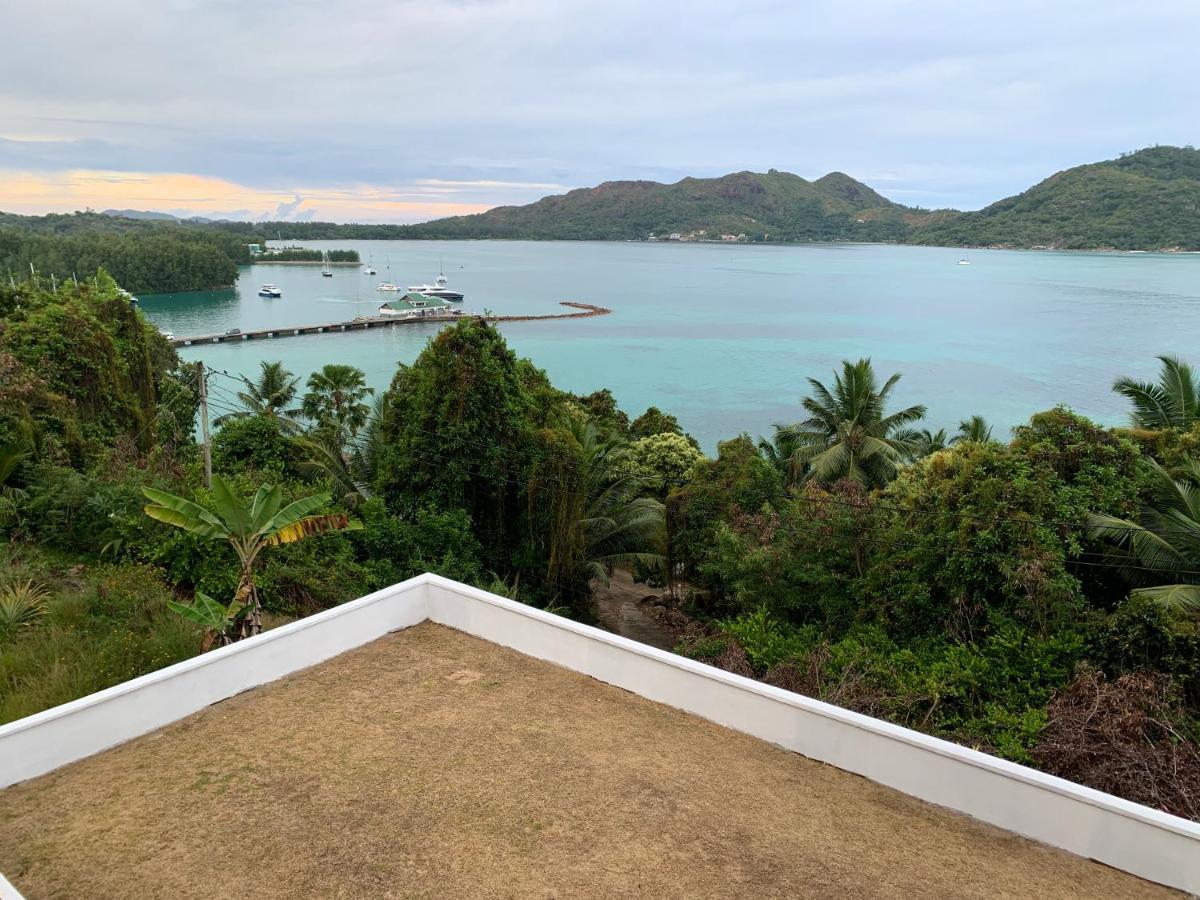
(362, 323)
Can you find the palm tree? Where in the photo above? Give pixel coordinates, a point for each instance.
(924, 442)
(601, 516)
(336, 400)
(1174, 402)
(1165, 538)
(780, 452)
(847, 434)
(974, 430)
(268, 397)
(249, 530)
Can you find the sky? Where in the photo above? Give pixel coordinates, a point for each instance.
(407, 110)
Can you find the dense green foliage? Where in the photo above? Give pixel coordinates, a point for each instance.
(144, 256)
(304, 254)
(1149, 200)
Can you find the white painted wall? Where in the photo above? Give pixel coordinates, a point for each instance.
(1125, 835)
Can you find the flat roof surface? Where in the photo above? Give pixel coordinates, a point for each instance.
(432, 764)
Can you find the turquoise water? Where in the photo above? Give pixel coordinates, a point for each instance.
(725, 336)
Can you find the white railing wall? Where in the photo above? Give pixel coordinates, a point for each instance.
(1125, 835)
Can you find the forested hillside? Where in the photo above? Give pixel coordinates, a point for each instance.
(1149, 200)
(143, 256)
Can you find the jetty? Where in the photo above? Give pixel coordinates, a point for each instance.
(362, 323)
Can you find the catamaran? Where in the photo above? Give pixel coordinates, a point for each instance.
(369, 269)
(437, 289)
(269, 290)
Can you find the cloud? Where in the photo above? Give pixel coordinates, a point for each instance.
(284, 211)
(186, 195)
(499, 101)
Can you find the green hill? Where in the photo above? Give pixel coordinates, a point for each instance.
(1148, 200)
(776, 206)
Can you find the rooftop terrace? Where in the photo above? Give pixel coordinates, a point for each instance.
(432, 763)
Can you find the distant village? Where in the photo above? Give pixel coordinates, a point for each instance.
(700, 235)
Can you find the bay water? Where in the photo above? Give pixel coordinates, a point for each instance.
(725, 336)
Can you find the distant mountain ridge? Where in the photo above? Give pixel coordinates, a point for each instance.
(774, 205)
(1146, 200)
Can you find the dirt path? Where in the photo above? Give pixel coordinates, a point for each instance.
(618, 609)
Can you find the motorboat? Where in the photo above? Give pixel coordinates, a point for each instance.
(388, 286)
(269, 290)
(437, 289)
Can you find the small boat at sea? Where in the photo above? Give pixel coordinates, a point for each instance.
(388, 286)
(325, 270)
(369, 268)
(269, 290)
(437, 289)
(964, 262)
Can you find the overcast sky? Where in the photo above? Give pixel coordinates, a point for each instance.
(386, 110)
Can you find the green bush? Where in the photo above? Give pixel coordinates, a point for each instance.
(253, 444)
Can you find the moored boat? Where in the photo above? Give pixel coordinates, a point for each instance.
(437, 289)
(269, 290)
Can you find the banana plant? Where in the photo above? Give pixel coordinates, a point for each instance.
(220, 622)
(265, 522)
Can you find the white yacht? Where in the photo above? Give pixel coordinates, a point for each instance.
(388, 286)
(369, 269)
(269, 290)
(325, 270)
(437, 289)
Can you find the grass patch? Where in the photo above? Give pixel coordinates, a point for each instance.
(103, 624)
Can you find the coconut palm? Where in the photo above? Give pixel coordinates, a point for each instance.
(974, 430)
(1164, 538)
(1172, 402)
(924, 442)
(847, 434)
(336, 400)
(249, 530)
(269, 397)
(780, 452)
(601, 516)
(619, 525)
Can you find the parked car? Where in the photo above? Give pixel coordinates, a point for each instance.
(233, 331)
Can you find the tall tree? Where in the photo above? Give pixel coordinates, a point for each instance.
(974, 430)
(269, 397)
(1172, 402)
(848, 434)
(337, 400)
(457, 433)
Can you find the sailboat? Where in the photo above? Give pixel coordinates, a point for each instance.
(964, 260)
(370, 268)
(325, 270)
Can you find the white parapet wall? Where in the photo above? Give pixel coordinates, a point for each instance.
(1128, 836)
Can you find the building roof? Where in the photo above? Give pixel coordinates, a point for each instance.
(431, 763)
(413, 300)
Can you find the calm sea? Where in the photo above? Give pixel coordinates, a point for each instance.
(725, 336)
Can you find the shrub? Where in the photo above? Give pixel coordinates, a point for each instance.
(1125, 737)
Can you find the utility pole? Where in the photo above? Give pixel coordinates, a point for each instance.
(206, 447)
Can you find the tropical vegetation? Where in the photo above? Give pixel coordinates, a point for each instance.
(979, 587)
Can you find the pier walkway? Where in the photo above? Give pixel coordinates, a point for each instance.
(361, 323)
